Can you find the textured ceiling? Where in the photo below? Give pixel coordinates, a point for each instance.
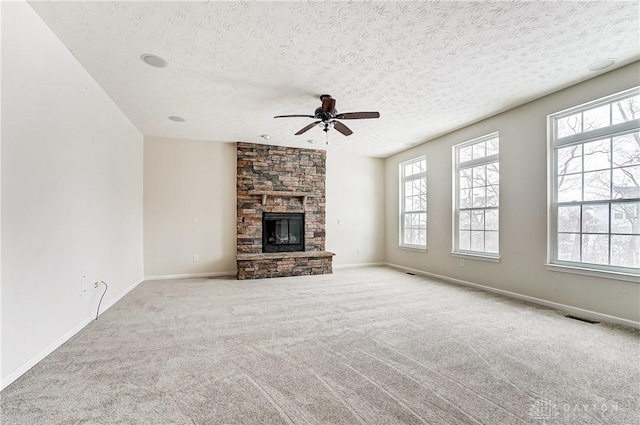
(428, 67)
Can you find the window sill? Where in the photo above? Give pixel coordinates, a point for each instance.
(478, 257)
(413, 248)
(606, 274)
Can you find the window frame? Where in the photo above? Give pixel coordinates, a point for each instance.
(403, 179)
(457, 165)
(555, 143)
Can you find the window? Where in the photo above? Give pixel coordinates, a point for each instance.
(413, 203)
(595, 185)
(476, 197)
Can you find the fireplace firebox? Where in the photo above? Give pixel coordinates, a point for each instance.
(282, 232)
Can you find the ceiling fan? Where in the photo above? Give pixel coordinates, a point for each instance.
(328, 117)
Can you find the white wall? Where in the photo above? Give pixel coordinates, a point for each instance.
(184, 179)
(355, 197)
(71, 193)
(523, 207)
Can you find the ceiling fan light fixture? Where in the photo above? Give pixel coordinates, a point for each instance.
(601, 64)
(153, 60)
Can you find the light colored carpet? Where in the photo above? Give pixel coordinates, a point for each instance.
(362, 346)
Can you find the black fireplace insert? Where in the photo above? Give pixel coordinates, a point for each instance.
(282, 232)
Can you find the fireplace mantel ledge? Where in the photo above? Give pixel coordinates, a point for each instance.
(279, 255)
(282, 193)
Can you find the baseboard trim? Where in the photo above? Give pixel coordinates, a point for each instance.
(551, 304)
(355, 265)
(188, 275)
(24, 368)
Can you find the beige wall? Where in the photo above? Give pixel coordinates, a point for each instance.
(355, 197)
(523, 207)
(184, 179)
(71, 194)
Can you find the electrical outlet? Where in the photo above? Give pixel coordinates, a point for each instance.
(195, 219)
(83, 285)
(357, 251)
(461, 263)
(195, 259)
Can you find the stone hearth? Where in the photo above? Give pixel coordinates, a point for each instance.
(280, 180)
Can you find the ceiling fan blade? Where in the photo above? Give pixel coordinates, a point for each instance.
(309, 127)
(357, 115)
(328, 104)
(294, 116)
(342, 128)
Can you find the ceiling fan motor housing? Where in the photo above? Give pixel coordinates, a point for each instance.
(324, 116)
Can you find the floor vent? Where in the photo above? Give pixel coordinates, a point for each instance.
(412, 274)
(582, 319)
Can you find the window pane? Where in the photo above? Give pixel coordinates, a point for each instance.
(597, 118)
(465, 154)
(479, 175)
(479, 197)
(569, 247)
(570, 160)
(465, 198)
(595, 218)
(464, 177)
(491, 219)
(477, 220)
(415, 236)
(493, 173)
(597, 185)
(407, 221)
(479, 150)
(626, 150)
(570, 125)
(493, 146)
(464, 221)
(625, 251)
(407, 236)
(477, 241)
(492, 195)
(626, 182)
(422, 220)
(597, 155)
(595, 249)
(569, 218)
(570, 188)
(422, 236)
(626, 110)
(624, 217)
(408, 188)
(464, 240)
(491, 242)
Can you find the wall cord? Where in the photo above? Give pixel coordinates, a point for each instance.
(106, 287)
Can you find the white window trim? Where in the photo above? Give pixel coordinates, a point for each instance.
(455, 252)
(585, 269)
(401, 244)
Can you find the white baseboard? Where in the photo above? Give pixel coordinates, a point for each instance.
(563, 307)
(188, 275)
(57, 343)
(354, 265)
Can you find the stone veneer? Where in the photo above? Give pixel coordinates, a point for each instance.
(280, 179)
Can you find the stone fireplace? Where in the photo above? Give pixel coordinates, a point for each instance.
(281, 212)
